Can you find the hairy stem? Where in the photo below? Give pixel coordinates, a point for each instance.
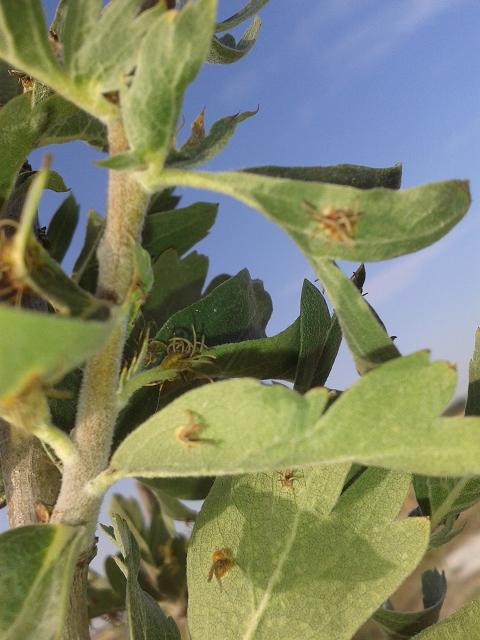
(98, 404)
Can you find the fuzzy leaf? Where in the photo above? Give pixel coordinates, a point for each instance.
(25, 45)
(401, 625)
(52, 121)
(388, 418)
(193, 154)
(102, 599)
(170, 506)
(181, 488)
(85, 270)
(250, 9)
(315, 322)
(101, 48)
(225, 50)
(328, 220)
(178, 283)
(178, 229)
(62, 227)
(460, 625)
(300, 564)
(236, 310)
(472, 407)
(440, 498)
(146, 620)
(151, 105)
(34, 268)
(350, 175)
(43, 347)
(333, 338)
(9, 85)
(367, 339)
(37, 569)
(23, 39)
(272, 357)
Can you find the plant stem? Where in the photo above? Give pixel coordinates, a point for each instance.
(98, 403)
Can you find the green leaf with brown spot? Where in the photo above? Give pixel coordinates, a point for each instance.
(328, 220)
(301, 566)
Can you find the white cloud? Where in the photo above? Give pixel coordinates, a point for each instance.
(371, 30)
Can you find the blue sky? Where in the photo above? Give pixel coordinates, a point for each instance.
(370, 82)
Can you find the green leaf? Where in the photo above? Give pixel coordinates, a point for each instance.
(58, 121)
(62, 227)
(23, 40)
(33, 267)
(170, 506)
(178, 283)
(37, 570)
(102, 599)
(43, 347)
(473, 398)
(25, 45)
(315, 322)
(121, 162)
(247, 11)
(63, 405)
(400, 625)
(52, 121)
(300, 564)
(270, 427)
(225, 50)
(181, 488)
(151, 105)
(333, 339)
(440, 498)
(236, 310)
(129, 510)
(178, 229)
(80, 19)
(101, 48)
(367, 339)
(165, 200)
(216, 282)
(85, 270)
(459, 626)
(328, 220)
(9, 85)
(272, 357)
(191, 155)
(350, 175)
(146, 620)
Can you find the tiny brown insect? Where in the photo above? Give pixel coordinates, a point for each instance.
(43, 512)
(189, 433)
(337, 223)
(222, 563)
(287, 478)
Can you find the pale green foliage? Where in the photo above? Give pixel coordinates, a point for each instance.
(37, 567)
(461, 625)
(381, 220)
(394, 409)
(43, 347)
(366, 337)
(151, 105)
(301, 563)
(146, 621)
